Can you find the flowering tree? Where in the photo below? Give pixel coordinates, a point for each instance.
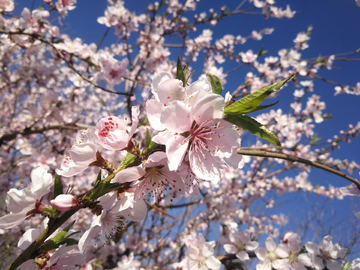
(119, 157)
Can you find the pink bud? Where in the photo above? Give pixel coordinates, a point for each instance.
(65, 202)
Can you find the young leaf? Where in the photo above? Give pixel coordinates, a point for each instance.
(58, 186)
(262, 107)
(102, 189)
(148, 138)
(215, 84)
(58, 239)
(180, 71)
(247, 123)
(98, 179)
(250, 102)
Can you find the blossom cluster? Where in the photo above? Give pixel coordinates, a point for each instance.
(113, 157)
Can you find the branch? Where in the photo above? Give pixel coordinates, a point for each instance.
(28, 131)
(44, 40)
(300, 160)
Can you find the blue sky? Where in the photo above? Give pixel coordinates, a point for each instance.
(336, 29)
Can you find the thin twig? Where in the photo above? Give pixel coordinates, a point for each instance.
(300, 160)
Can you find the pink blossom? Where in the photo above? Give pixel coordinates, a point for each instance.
(112, 217)
(192, 116)
(65, 202)
(113, 133)
(248, 57)
(199, 255)
(153, 179)
(82, 153)
(271, 257)
(7, 5)
(240, 242)
(325, 254)
(351, 190)
(20, 202)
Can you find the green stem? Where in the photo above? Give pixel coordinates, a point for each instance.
(30, 252)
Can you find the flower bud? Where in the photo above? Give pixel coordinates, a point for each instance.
(65, 202)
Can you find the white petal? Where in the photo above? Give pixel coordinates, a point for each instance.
(20, 200)
(231, 249)
(153, 111)
(12, 220)
(41, 181)
(128, 175)
(208, 107)
(270, 244)
(28, 237)
(261, 253)
(135, 111)
(176, 148)
(204, 165)
(83, 154)
(87, 237)
(213, 263)
(242, 256)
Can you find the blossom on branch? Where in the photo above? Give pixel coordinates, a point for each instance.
(82, 154)
(192, 116)
(21, 203)
(113, 133)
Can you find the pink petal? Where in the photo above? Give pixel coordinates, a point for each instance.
(88, 236)
(176, 117)
(176, 148)
(204, 165)
(135, 111)
(153, 111)
(208, 107)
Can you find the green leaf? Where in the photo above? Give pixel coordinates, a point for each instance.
(262, 107)
(261, 52)
(181, 72)
(102, 189)
(314, 139)
(148, 138)
(128, 159)
(247, 123)
(50, 211)
(98, 179)
(215, 84)
(250, 102)
(58, 186)
(58, 239)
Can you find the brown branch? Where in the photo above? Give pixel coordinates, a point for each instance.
(34, 130)
(300, 160)
(61, 55)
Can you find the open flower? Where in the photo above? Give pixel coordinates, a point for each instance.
(192, 116)
(153, 179)
(113, 217)
(82, 153)
(21, 202)
(113, 133)
(200, 255)
(240, 242)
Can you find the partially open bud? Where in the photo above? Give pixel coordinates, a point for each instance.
(65, 202)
